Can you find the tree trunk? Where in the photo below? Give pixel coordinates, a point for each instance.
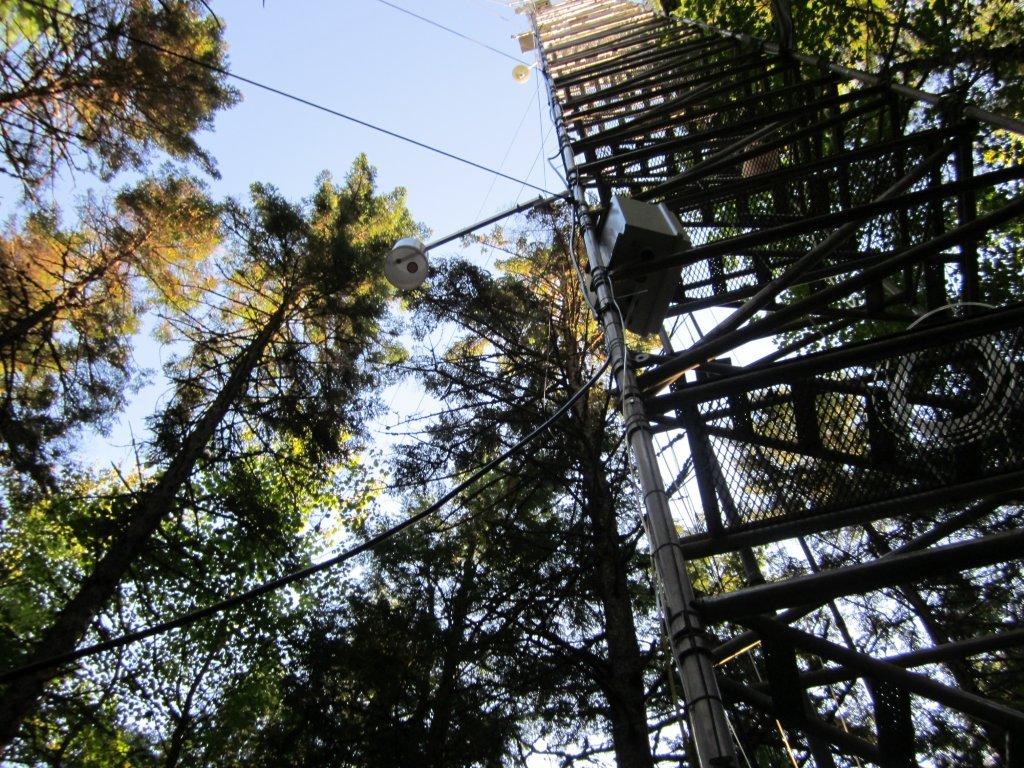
(625, 681)
(23, 446)
(441, 719)
(151, 507)
(183, 725)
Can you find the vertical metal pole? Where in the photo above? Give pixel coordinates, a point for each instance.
(705, 709)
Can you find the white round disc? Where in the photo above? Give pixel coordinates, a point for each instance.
(406, 265)
(520, 73)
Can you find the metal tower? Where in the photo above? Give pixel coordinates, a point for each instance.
(854, 422)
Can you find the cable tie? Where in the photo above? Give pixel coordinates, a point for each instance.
(705, 697)
(667, 545)
(686, 613)
(636, 423)
(655, 492)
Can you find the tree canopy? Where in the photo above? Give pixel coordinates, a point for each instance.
(520, 624)
(91, 85)
(958, 47)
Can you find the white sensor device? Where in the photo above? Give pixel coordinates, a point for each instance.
(405, 266)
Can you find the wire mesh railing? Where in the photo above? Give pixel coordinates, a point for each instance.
(868, 239)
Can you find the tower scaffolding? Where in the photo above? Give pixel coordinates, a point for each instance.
(854, 231)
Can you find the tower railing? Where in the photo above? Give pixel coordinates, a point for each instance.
(853, 414)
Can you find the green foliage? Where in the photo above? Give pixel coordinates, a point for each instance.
(556, 551)
(390, 671)
(48, 545)
(27, 21)
(72, 299)
(241, 525)
(474, 637)
(87, 85)
(257, 450)
(317, 264)
(958, 46)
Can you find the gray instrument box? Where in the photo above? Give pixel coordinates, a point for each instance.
(634, 233)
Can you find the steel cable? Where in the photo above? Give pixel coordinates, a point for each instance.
(272, 585)
(284, 94)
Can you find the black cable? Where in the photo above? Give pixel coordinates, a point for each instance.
(452, 31)
(289, 578)
(285, 94)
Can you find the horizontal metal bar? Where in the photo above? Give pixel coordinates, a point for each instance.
(806, 225)
(770, 114)
(729, 154)
(847, 262)
(795, 173)
(577, 106)
(863, 577)
(712, 82)
(496, 217)
(612, 30)
(964, 233)
(936, 533)
(803, 342)
(825, 454)
(724, 84)
(834, 359)
(562, 31)
(960, 649)
(629, 51)
(1001, 121)
(847, 742)
(759, 534)
(912, 682)
(772, 288)
(611, 74)
(640, 121)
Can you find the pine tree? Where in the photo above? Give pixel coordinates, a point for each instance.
(89, 85)
(72, 301)
(287, 354)
(528, 341)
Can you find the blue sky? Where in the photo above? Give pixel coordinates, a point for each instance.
(367, 59)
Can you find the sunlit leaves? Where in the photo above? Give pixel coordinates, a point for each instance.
(964, 47)
(72, 299)
(86, 86)
(25, 22)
